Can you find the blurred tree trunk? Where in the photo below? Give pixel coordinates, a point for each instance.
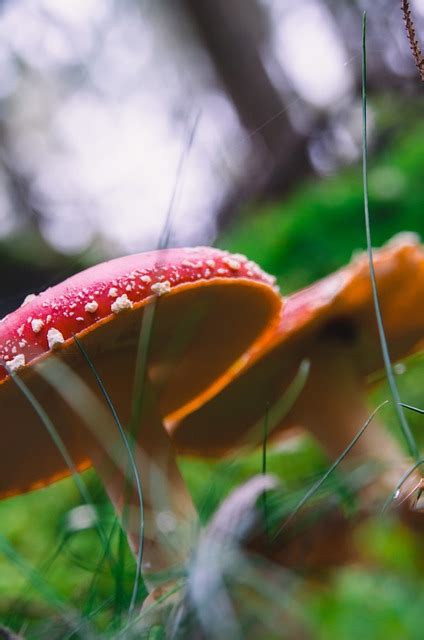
(233, 33)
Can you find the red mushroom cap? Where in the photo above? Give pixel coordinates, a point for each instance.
(211, 306)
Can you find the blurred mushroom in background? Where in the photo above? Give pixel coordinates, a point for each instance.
(331, 323)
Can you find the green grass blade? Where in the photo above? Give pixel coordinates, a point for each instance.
(167, 227)
(264, 454)
(74, 633)
(148, 317)
(411, 407)
(96, 574)
(53, 433)
(403, 479)
(51, 429)
(410, 471)
(43, 568)
(224, 472)
(317, 485)
(407, 433)
(35, 579)
(146, 329)
(265, 442)
(133, 466)
(143, 346)
(280, 408)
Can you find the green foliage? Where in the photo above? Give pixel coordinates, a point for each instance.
(370, 606)
(293, 462)
(321, 225)
(48, 535)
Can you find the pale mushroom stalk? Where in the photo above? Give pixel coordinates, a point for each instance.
(168, 511)
(169, 514)
(142, 479)
(335, 410)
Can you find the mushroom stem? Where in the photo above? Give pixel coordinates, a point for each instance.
(336, 409)
(167, 505)
(168, 511)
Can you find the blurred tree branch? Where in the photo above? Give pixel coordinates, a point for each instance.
(233, 33)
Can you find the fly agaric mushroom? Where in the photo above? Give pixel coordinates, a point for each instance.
(332, 323)
(210, 307)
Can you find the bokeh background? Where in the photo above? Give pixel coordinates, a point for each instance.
(232, 122)
(232, 110)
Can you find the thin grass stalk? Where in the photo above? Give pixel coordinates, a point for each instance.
(401, 482)
(276, 412)
(146, 330)
(36, 580)
(315, 487)
(53, 433)
(73, 634)
(97, 572)
(42, 570)
(79, 482)
(410, 471)
(403, 423)
(264, 469)
(133, 466)
(167, 227)
(137, 409)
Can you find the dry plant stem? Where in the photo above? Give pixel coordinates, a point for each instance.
(169, 513)
(335, 411)
(413, 42)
